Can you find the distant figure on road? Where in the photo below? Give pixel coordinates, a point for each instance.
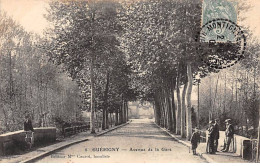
(216, 130)
(229, 135)
(195, 140)
(211, 138)
(28, 128)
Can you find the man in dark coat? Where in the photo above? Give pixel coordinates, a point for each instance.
(229, 135)
(211, 138)
(216, 130)
(28, 128)
(28, 124)
(195, 139)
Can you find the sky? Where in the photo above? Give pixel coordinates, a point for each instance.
(253, 17)
(29, 13)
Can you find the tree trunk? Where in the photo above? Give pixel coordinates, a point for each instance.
(11, 89)
(178, 113)
(103, 119)
(198, 108)
(111, 119)
(105, 111)
(165, 106)
(92, 109)
(188, 110)
(210, 99)
(126, 104)
(170, 114)
(162, 121)
(173, 108)
(116, 117)
(107, 121)
(225, 93)
(157, 110)
(183, 110)
(258, 140)
(237, 106)
(215, 97)
(123, 111)
(164, 111)
(120, 115)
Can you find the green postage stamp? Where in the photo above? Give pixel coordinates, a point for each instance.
(225, 11)
(219, 9)
(219, 29)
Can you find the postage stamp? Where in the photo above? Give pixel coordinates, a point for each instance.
(215, 9)
(221, 41)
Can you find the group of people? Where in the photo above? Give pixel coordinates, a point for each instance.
(213, 137)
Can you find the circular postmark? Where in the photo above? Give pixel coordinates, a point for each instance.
(221, 43)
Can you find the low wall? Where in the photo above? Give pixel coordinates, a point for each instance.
(238, 142)
(14, 142)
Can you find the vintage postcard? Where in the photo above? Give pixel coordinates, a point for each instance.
(129, 81)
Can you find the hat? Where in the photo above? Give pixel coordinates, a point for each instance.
(227, 120)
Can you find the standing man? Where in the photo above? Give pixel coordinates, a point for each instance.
(28, 124)
(229, 135)
(28, 128)
(211, 137)
(216, 130)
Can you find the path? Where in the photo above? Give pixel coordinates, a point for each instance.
(140, 141)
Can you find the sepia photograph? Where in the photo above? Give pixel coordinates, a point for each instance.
(129, 81)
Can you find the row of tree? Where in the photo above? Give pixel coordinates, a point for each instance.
(92, 74)
(160, 42)
(234, 93)
(83, 39)
(29, 84)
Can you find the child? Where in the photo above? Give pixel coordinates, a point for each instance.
(195, 139)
